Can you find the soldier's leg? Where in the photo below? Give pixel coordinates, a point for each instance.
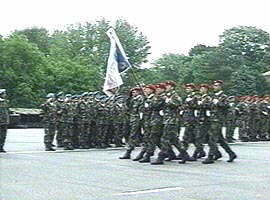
(67, 136)
(49, 135)
(212, 142)
(59, 134)
(3, 135)
(132, 140)
(145, 141)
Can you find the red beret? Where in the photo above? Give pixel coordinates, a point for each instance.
(172, 83)
(152, 87)
(190, 85)
(204, 85)
(161, 85)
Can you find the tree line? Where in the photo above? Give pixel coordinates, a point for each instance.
(34, 62)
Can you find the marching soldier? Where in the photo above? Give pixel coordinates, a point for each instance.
(135, 103)
(218, 112)
(171, 128)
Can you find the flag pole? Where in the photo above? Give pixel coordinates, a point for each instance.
(112, 35)
(136, 80)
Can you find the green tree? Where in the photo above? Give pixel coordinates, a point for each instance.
(245, 45)
(247, 81)
(173, 67)
(38, 36)
(20, 65)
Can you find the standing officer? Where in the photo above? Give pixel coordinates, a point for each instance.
(49, 118)
(4, 119)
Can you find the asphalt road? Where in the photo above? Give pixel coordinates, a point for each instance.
(27, 172)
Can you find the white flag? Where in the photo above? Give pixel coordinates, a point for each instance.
(117, 63)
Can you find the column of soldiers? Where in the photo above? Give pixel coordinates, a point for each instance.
(84, 121)
(152, 116)
(204, 110)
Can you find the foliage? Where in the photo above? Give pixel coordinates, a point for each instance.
(74, 60)
(34, 62)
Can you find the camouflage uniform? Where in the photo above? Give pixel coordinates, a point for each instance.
(4, 119)
(241, 111)
(83, 124)
(219, 110)
(67, 118)
(49, 119)
(171, 128)
(134, 104)
(191, 121)
(231, 122)
(59, 125)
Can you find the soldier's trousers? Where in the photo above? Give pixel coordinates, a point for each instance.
(192, 135)
(169, 138)
(59, 133)
(135, 134)
(263, 126)
(3, 135)
(230, 127)
(102, 131)
(84, 134)
(243, 129)
(67, 133)
(156, 131)
(49, 133)
(217, 137)
(118, 133)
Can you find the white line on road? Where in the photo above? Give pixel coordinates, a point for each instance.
(149, 191)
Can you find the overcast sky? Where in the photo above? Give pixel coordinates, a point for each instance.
(171, 26)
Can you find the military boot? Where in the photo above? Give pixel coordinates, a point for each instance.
(201, 154)
(139, 156)
(146, 158)
(49, 148)
(160, 159)
(2, 150)
(126, 155)
(194, 156)
(60, 144)
(209, 160)
(68, 146)
(185, 157)
(171, 155)
(217, 155)
(180, 155)
(232, 156)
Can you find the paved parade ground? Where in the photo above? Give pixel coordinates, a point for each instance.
(27, 172)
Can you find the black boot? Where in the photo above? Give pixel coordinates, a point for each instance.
(2, 150)
(171, 155)
(217, 155)
(160, 159)
(139, 156)
(126, 155)
(49, 148)
(180, 156)
(185, 157)
(194, 156)
(60, 144)
(201, 154)
(68, 146)
(145, 159)
(232, 156)
(209, 160)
